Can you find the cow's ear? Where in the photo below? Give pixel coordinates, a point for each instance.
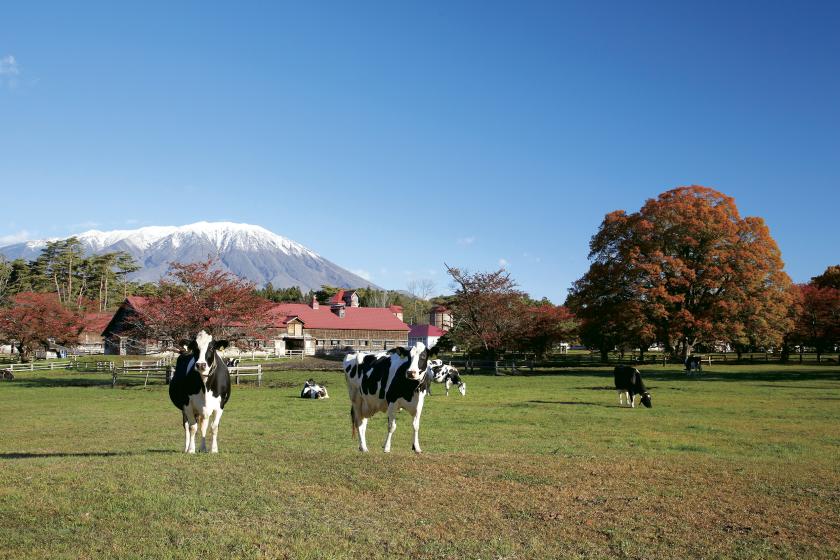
(401, 352)
(221, 344)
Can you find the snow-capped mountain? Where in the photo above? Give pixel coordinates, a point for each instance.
(249, 251)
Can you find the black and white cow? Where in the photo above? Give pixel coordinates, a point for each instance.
(200, 388)
(629, 383)
(387, 381)
(694, 364)
(8, 375)
(312, 390)
(448, 375)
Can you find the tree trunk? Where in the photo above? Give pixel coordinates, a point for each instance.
(605, 355)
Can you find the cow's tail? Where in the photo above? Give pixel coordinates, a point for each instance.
(353, 421)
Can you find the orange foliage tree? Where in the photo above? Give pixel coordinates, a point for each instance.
(198, 296)
(685, 269)
(34, 319)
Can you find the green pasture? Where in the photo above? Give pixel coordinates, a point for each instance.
(741, 463)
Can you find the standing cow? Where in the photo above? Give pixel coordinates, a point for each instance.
(628, 382)
(201, 388)
(389, 381)
(448, 375)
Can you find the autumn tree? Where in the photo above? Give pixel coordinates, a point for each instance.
(31, 320)
(828, 279)
(686, 269)
(198, 296)
(818, 319)
(487, 310)
(544, 326)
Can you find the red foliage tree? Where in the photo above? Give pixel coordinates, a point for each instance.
(487, 310)
(544, 326)
(818, 318)
(198, 296)
(685, 269)
(35, 319)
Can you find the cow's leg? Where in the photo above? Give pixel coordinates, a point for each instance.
(361, 427)
(622, 397)
(448, 386)
(203, 422)
(214, 431)
(415, 423)
(632, 397)
(191, 427)
(392, 426)
(186, 432)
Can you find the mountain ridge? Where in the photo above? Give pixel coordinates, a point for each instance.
(248, 251)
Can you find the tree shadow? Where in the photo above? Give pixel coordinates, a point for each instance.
(67, 454)
(570, 403)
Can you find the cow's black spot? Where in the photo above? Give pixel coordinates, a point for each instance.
(401, 386)
(375, 376)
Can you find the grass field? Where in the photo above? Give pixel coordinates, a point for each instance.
(743, 463)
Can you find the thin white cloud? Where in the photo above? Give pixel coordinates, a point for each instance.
(466, 241)
(363, 273)
(503, 263)
(18, 237)
(9, 72)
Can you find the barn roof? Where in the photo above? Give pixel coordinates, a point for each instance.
(422, 331)
(362, 318)
(96, 322)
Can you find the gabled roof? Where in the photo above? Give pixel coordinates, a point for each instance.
(96, 322)
(338, 297)
(423, 331)
(362, 318)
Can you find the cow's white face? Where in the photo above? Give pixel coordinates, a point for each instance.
(203, 344)
(418, 361)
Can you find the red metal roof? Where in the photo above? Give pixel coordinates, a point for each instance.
(423, 331)
(363, 318)
(338, 297)
(439, 308)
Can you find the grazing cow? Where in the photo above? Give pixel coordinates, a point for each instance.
(312, 390)
(694, 364)
(201, 388)
(7, 375)
(629, 383)
(441, 373)
(389, 381)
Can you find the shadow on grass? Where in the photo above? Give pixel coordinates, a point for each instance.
(783, 374)
(67, 454)
(53, 382)
(571, 403)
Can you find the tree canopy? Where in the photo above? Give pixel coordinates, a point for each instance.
(685, 269)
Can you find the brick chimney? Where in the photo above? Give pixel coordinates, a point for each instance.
(314, 302)
(338, 309)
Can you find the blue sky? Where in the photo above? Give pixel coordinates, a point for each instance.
(392, 137)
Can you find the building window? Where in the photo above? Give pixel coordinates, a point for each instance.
(335, 342)
(350, 343)
(377, 344)
(363, 343)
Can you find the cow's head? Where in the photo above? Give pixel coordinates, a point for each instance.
(418, 360)
(645, 398)
(456, 379)
(203, 349)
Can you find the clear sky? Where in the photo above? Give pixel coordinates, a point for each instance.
(392, 137)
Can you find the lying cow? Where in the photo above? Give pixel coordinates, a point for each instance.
(200, 388)
(629, 383)
(7, 375)
(312, 390)
(389, 381)
(448, 375)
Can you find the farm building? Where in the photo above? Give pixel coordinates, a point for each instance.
(294, 327)
(441, 317)
(91, 340)
(427, 334)
(317, 328)
(120, 336)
